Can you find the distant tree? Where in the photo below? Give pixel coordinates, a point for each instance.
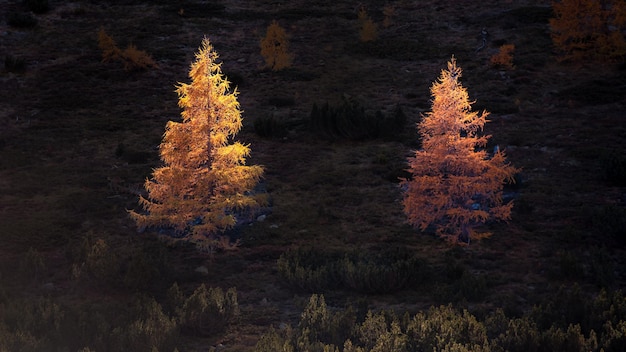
(275, 48)
(589, 29)
(204, 181)
(369, 29)
(504, 57)
(133, 58)
(456, 185)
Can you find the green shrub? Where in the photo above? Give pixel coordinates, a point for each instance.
(14, 64)
(614, 337)
(150, 330)
(444, 327)
(270, 127)
(307, 269)
(349, 120)
(272, 341)
(568, 340)
(382, 271)
(208, 311)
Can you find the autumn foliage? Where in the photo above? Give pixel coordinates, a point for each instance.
(456, 185)
(204, 182)
(369, 30)
(275, 48)
(589, 29)
(504, 57)
(132, 57)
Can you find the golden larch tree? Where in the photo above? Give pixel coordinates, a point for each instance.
(456, 185)
(275, 48)
(204, 182)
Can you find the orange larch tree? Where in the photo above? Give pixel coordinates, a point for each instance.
(204, 182)
(456, 185)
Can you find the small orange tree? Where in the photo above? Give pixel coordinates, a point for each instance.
(204, 181)
(504, 57)
(589, 29)
(369, 29)
(455, 185)
(275, 48)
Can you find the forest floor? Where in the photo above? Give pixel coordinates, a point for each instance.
(79, 136)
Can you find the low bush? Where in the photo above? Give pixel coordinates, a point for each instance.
(269, 127)
(349, 120)
(381, 271)
(208, 311)
(446, 328)
(14, 64)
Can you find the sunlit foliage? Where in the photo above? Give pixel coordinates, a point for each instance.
(456, 185)
(589, 29)
(204, 181)
(275, 48)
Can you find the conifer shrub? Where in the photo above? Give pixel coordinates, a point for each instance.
(14, 64)
(382, 271)
(349, 120)
(208, 311)
(270, 127)
(445, 328)
(94, 261)
(307, 269)
(150, 329)
(388, 270)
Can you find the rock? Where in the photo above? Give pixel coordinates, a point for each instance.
(203, 270)
(261, 218)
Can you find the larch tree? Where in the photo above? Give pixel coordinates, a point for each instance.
(275, 48)
(455, 185)
(204, 182)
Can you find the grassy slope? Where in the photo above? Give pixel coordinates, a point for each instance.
(65, 118)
